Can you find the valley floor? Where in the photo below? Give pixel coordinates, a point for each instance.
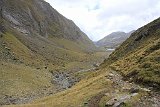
(21, 84)
(101, 88)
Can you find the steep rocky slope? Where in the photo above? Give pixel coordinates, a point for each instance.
(33, 32)
(33, 27)
(113, 40)
(138, 57)
(38, 18)
(36, 44)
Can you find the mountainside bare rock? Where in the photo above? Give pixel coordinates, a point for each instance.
(37, 17)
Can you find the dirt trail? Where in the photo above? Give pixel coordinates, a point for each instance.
(123, 91)
(94, 101)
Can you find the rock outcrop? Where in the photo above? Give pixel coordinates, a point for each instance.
(37, 17)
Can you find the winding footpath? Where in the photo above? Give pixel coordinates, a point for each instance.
(124, 91)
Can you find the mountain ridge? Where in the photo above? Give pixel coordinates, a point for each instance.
(114, 39)
(45, 22)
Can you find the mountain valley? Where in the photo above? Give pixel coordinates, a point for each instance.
(47, 61)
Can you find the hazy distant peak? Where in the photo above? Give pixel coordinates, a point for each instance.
(114, 39)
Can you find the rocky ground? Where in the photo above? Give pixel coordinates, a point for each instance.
(60, 80)
(126, 94)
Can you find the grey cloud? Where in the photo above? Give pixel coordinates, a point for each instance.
(98, 18)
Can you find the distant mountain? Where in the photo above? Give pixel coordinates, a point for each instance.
(113, 40)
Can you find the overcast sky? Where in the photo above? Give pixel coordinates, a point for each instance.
(98, 18)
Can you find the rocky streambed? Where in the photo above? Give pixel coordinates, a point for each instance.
(63, 80)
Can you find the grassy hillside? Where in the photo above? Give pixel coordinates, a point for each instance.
(138, 57)
(36, 44)
(24, 75)
(27, 70)
(37, 17)
(21, 81)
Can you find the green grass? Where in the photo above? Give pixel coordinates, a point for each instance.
(103, 101)
(20, 80)
(139, 59)
(147, 67)
(26, 75)
(77, 95)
